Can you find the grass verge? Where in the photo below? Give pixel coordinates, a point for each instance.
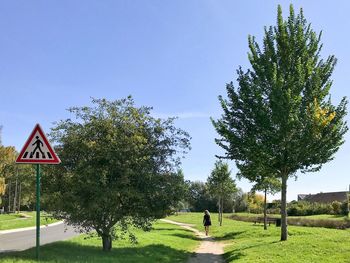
(24, 219)
(166, 243)
(246, 242)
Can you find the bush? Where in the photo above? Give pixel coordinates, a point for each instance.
(303, 208)
(336, 206)
(273, 211)
(344, 209)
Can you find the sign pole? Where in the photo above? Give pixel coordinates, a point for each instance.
(37, 210)
(37, 150)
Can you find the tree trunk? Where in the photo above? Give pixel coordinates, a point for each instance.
(19, 197)
(107, 242)
(284, 230)
(222, 210)
(219, 204)
(15, 197)
(265, 208)
(9, 204)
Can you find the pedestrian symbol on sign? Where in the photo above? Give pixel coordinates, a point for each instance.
(38, 143)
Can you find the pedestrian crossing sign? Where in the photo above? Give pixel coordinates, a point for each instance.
(37, 149)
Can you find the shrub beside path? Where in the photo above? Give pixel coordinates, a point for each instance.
(209, 251)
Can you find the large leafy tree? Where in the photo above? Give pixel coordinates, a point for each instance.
(118, 168)
(281, 113)
(221, 185)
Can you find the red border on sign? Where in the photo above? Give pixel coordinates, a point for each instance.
(55, 159)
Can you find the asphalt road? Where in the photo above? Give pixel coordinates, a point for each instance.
(21, 240)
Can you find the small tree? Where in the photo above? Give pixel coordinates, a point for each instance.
(258, 174)
(267, 185)
(221, 185)
(281, 114)
(118, 168)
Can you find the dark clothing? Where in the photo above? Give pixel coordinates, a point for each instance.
(206, 220)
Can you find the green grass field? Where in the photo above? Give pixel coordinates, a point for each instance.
(166, 243)
(13, 221)
(246, 242)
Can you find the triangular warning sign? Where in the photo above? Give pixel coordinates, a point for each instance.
(37, 149)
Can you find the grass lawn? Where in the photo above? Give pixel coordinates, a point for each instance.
(166, 243)
(12, 221)
(246, 242)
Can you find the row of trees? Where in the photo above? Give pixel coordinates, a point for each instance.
(280, 118)
(16, 182)
(199, 197)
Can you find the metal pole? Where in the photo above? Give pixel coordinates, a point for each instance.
(37, 210)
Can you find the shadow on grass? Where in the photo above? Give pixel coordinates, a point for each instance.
(172, 229)
(186, 236)
(237, 253)
(206, 257)
(233, 255)
(230, 235)
(72, 252)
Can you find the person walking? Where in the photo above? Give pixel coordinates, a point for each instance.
(206, 222)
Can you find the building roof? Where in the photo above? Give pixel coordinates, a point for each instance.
(324, 197)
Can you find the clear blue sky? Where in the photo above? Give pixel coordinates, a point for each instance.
(173, 55)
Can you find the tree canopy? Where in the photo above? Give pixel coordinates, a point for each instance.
(281, 113)
(118, 168)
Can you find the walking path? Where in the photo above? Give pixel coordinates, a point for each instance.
(209, 251)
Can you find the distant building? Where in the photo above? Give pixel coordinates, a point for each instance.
(324, 198)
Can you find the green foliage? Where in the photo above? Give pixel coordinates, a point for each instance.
(199, 198)
(281, 113)
(221, 185)
(274, 207)
(303, 208)
(118, 167)
(10, 173)
(7, 161)
(344, 209)
(336, 207)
